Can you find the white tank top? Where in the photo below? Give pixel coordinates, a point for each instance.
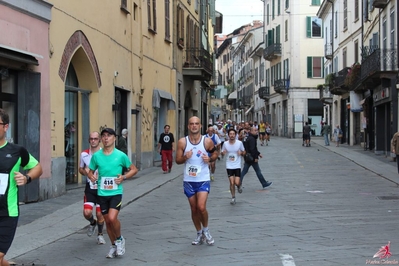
(195, 169)
(222, 135)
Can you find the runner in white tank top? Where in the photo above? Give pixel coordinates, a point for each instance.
(196, 151)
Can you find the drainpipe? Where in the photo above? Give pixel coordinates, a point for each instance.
(332, 54)
(332, 35)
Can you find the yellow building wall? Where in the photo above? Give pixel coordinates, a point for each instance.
(109, 31)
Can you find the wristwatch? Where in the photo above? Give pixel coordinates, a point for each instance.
(28, 179)
(124, 177)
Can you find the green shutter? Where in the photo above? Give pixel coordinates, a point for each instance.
(310, 67)
(309, 27)
(315, 2)
(278, 8)
(269, 37)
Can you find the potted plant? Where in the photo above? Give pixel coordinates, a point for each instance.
(353, 75)
(329, 79)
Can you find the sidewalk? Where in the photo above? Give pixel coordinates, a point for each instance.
(378, 164)
(48, 221)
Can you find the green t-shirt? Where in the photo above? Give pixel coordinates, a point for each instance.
(109, 167)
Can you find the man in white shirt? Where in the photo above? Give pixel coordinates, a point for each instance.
(234, 150)
(216, 141)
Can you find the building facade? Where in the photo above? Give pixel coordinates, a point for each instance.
(362, 65)
(148, 64)
(294, 53)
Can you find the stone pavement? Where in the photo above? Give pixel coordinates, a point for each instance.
(61, 218)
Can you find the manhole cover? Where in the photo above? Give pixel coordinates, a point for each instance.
(388, 197)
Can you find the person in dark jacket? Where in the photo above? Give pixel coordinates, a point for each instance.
(122, 141)
(250, 144)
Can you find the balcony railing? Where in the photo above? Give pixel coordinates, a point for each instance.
(272, 51)
(380, 63)
(337, 85)
(281, 85)
(339, 80)
(264, 93)
(198, 58)
(325, 94)
(328, 51)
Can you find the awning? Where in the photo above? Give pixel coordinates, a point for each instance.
(233, 95)
(156, 99)
(19, 55)
(249, 110)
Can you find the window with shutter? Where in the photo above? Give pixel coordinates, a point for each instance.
(167, 20)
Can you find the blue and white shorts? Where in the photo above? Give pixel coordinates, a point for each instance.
(192, 188)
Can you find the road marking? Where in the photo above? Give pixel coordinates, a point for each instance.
(287, 260)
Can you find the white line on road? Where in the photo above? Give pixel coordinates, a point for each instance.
(287, 260)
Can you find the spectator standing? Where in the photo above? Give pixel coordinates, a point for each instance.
(196, 151)
(10, 181)
(122, 141)
(395, 147)
(337, 135)
(326, 131)
(166, 147)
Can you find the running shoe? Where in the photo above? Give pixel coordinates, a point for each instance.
(112, 252)
(100, 240)
(92, 228)
(120, 246)
(212, 178)
(198, 240)
(233, 201)
(268, 184)
(239, 188)
(209, 239)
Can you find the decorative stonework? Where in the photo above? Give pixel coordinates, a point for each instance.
(75, 41)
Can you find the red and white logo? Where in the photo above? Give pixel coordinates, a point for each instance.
(384, 252)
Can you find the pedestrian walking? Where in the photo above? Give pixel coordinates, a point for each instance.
(325, 131)
(196, 151)
(122, 141)
(337, 135)
(216, 141)
(252, 155)
(166, 147)
(90, 199)
(109, 162)
(234, 150)
(12, 157)
(306, 134)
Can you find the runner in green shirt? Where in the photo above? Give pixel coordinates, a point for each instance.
(109, 162)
